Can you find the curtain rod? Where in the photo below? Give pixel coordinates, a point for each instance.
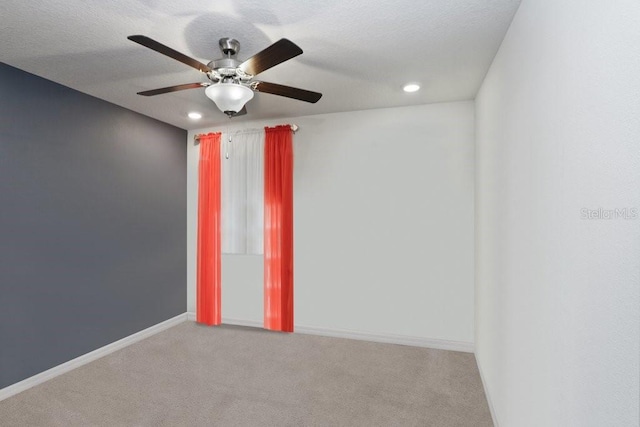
(294, 128)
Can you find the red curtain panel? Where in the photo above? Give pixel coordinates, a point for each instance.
(208, 310)
(278, 229)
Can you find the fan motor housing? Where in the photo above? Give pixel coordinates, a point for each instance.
(230, 63)
(225, 67)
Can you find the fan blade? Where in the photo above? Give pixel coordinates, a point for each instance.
(288, 91)
(171, 53)
(172, 89)
(280, 51)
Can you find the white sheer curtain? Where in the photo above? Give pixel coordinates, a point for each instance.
(242, 207)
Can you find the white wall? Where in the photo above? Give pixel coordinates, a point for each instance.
(383, 224)
(558, 297)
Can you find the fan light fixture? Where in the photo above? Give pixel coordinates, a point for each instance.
(229, 97)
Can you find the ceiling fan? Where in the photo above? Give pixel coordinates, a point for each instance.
(232, 82)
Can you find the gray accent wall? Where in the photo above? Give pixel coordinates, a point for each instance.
(92, 223)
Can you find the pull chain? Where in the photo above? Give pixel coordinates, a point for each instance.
(228, 142)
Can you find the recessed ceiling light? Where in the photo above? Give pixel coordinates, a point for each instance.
(411, 87)
(194, 116)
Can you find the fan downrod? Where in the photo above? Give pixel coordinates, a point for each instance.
(229, 46)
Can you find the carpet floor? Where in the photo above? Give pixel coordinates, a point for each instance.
(192, 375)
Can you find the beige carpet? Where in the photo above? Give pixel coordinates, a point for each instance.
(192, 375)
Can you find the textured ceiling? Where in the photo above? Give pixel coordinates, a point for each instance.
(358, 53)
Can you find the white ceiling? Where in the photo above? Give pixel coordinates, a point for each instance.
(358, 53)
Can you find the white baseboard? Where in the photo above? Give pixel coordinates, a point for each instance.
(89, 357)
(486, 393)
(226, 321)
(439, 344)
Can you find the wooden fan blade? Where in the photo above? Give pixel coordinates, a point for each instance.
(171, 53)
(288, 91)
(280, 51)
(172, 89)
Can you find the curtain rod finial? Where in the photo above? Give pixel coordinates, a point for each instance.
(294, 128)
